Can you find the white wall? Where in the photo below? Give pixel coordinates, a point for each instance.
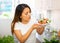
(55, 17)
(47, 4)
(5, 27)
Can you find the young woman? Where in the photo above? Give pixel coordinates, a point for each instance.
(22, 26)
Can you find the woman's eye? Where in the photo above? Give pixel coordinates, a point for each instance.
(26, 13)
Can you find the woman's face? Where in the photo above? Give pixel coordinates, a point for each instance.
(26, 14)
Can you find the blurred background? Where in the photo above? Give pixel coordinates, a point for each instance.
(40, 9)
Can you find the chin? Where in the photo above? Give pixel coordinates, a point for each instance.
(28, 20)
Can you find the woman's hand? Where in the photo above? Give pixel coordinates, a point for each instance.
(35, 26)
(42, 26)
(40, 30)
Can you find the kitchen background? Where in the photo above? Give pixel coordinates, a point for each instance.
(45, 8)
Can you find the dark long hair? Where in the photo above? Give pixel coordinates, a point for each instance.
(18, 13)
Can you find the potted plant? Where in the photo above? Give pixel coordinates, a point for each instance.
(51, 41)
(53, 38)
(7, 39)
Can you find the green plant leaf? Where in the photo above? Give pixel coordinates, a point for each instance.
(46, 41)
(7, 39)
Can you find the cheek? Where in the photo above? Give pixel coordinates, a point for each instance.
(24, 17)
(27, 16)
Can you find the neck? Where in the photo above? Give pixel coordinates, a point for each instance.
(24, 22)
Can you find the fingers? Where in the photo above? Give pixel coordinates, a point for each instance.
(36, 26)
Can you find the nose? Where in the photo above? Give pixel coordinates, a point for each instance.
(29, 14)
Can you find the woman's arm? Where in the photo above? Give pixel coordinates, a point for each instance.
(23, 38)
(20, 37)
